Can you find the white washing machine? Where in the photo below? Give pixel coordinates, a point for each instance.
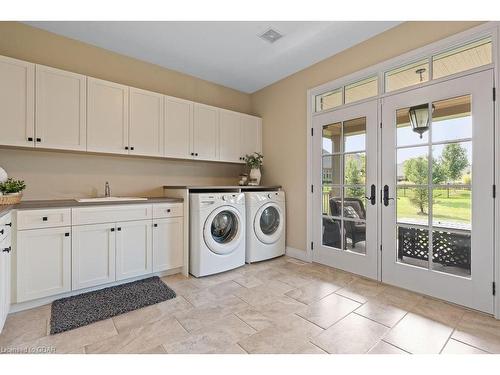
(265, 225)
(217, 232)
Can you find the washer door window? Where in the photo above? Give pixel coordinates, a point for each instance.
(268, 223)
(223, 230)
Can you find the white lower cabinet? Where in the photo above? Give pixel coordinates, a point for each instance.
(43, 262)
(168, 243)
(5, 255)
(104, 244)
(134, 253)
(93, 255)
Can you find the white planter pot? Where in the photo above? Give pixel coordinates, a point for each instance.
(255, 176)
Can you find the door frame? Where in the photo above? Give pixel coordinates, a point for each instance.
(368, 262)
(488, 29)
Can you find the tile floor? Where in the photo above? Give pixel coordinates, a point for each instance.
(278, 306)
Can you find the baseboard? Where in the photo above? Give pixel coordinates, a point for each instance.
(298, 254)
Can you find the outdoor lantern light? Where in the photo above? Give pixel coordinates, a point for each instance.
(419, 118)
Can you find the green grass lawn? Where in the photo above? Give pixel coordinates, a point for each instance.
(456, 208)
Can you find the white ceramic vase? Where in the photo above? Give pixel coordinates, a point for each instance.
(255, 176)
(3, 175)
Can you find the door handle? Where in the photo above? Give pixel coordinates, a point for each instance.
(386, 195)
(372, 198)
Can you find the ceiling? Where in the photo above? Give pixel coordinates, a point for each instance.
(228, 53)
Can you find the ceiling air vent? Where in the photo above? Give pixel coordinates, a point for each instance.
(271, 36)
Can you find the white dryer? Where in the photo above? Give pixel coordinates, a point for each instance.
(217, 232)
(265, 237)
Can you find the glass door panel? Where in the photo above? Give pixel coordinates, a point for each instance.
(443, 208)
(346, 228)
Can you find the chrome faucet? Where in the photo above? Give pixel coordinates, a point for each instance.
(107, 190)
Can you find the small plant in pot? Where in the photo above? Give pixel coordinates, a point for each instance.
(254, 162)
(11, 191)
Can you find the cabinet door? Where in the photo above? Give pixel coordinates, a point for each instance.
(229, 136)
(93, 255)
(178, 127)
(17, 97)
(251, 135)
(60, 114)
(134, 251)
(168, 246)
(4, 283)
(205, 132)
(43, 262)
(146, 123)
(107, 117)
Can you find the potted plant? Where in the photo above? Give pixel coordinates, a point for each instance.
(11, 191)
(254, 162)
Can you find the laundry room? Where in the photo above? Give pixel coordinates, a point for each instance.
(241, 182)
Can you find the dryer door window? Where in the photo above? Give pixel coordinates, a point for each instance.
(224, 227)
(269, 220)
(268, 223)
(223, 230)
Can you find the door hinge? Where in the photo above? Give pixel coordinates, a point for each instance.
(312, 245)
(494, 94)
(312, 188)
(493, 288)
(494, 191)
(312, 132)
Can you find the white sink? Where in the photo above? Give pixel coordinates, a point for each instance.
(110, 199)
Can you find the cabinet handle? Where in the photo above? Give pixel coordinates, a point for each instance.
(39, 139)
(112, 229)
(1, 231)
(45, 218)
(168, 210)
(126, 147)
(66, 234)
(192, 154)
(30, 139)
(7, 249)
(119, 229)
(132, 148)
(155, 225)
(196, 154)
(8, 224)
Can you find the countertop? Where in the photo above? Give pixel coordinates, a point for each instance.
(5, 209)
(230, 187)
(57, 203)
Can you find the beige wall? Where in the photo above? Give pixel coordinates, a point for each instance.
(283, 108)
(60, 175)
(53, 175)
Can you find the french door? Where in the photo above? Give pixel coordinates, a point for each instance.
(437, 216)
(345, 205)
(411, 209)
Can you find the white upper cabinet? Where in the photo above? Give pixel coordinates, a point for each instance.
(17, 96)
(251, 135)
(146, 123)
(44, 107)
(107, 117)
(205, 128)
(60, 114)
(178, 127)
(229, 136)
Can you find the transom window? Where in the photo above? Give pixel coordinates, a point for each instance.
(466, 57)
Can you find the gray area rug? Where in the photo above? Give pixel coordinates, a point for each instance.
(80, 310)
